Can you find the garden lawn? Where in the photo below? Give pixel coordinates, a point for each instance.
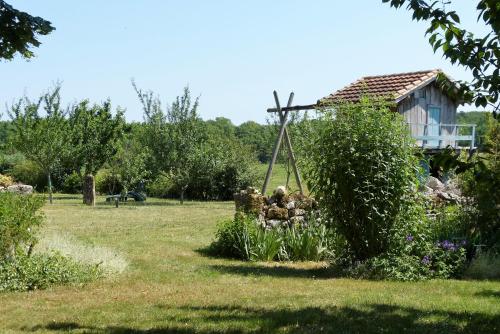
(170, 286)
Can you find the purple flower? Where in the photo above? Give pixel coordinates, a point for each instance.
(409, 238)
(448, 245)
(426, 260)
(463, 242)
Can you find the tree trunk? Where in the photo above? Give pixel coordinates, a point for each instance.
(49, 183)
(89, 190)
(182, 196)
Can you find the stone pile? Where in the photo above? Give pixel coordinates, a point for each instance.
(280, 209)
(442, 192)
(22, 189)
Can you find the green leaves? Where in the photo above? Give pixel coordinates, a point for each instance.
(361, 164)
(462, 47)
(19, 32)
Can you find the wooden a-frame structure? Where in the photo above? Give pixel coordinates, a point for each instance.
(283, 134)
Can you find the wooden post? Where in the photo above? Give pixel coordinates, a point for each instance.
(283, 121)
(291, 156)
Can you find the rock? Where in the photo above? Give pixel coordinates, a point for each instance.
(434, 183)
(296, 212)
(252, 190)
(275, 212)
(452, 187)
(249, 202)
(290, 205)
(273, 223)
(296, 220)
(279, 192)
(449, 197)
(23, 189)
(427, 190)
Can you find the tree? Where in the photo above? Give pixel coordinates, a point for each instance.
(478, 54)
(93, 138)
(19, 30)
(42, 139)
(173, 137)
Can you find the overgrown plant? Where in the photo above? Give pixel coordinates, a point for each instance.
(19, 220)
(362, 167)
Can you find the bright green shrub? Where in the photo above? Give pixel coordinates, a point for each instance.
(362, 167)
(162, 186)
(19, 221)
(107, 182)
(28, 172)
(42, 271)
(72, 184)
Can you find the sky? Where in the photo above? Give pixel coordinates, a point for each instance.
(232, 54)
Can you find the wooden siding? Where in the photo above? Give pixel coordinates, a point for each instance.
(414, 109)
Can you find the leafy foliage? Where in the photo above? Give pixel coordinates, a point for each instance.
(243, 238)
(480, 175)
(41, 138)
(38, 272)
(19, 220)
(94, 135)
(361, 165)
(478, 54)
(19, 31)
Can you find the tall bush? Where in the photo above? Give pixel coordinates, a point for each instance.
(361, 165)
(19, 220)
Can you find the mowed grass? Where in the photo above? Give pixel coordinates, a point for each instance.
(169, 286)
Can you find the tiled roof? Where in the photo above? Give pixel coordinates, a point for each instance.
(391, 86)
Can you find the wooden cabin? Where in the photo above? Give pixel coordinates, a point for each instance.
(430, 112)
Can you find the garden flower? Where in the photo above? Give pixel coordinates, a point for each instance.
(426, 260)
(409, 238)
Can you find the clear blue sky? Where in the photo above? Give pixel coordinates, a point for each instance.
(232, 53)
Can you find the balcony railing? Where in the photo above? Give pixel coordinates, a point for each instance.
(459, 136)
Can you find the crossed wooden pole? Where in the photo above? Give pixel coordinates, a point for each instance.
(283, 133)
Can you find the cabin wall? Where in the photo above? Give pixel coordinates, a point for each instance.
(415, 111)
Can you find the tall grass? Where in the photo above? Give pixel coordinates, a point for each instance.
(108, 260)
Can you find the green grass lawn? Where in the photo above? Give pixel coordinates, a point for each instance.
(169, 286)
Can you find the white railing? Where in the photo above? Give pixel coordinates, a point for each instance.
(443, 135)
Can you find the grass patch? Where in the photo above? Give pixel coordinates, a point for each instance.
(169, 287)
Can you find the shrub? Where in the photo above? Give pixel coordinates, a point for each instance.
(6, 180)
(244, 239)
(418, 261)
(42, 271)
(162, 186)
(72, 184)
(361, 165)
(19, 221)
(28, 172)
(107, 182)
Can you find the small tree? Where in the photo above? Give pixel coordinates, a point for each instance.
(41, 138)
(362, 167)
(94, 136)
(173, 137)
